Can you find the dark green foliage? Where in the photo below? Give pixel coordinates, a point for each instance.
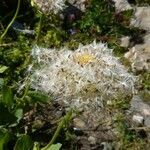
(6, 117)
(4, 139)
(54, 38)
(139, 2)
(101, 19)
(38, 97)
(7, 96)
(24, 143)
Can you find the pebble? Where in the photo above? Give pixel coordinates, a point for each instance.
(140, 107)
(138, 119)
(92, 140)
(107, 146)
(80, 4)
(78, 123)
(125, 41)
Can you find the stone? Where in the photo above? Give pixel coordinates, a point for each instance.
(107, 146)
(92, 140)
(140, 107)
(78, 123)
(139, 56)
(80, 4)
(125, 41)
(141, 18)
(122, 5)
(138, 119)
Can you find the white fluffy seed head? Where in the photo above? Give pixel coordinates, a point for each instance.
(87, 76)
(49, 6)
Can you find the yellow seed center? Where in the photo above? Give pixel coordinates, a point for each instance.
(84, 58)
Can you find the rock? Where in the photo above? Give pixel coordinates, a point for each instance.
(49, 6)
(139, 107)
(125, 41)
(139, 56)
(122, 5)
(142, 18)
(78, 123)
(138, 119)
(80, 4)
(107, 146)
(92, 140)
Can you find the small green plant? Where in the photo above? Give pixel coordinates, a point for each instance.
(11, 114)
(145, 80)
(54, 38)
(101, 19)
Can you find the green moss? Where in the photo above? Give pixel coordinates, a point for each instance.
(54, 38)
(145, 95)
(16, 59)
(101, 18)
(78, 38)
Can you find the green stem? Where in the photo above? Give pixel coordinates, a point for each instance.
(60, 126)
(25, 92)
(9, 25)
(39, 28)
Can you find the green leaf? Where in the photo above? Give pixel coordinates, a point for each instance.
(18, 114)
(54, 147)
(7, 96)
(1, 82)
(36, 146)
(3, 69)
(6, 118)
(24, 143)
(4, 138)
(38, 97)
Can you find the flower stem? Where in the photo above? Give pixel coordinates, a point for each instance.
(64, 120)
(9, 25)
(39, 28)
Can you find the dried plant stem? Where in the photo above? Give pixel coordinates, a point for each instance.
(8, 44)
(140, 128)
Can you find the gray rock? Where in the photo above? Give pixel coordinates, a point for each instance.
(138, 119)
(125, 41)
(79, 123)
(107, 146)
(80, 4)
(139, 107)
(122, 5)
(139, 55)
(92, 140)
(142, 18)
